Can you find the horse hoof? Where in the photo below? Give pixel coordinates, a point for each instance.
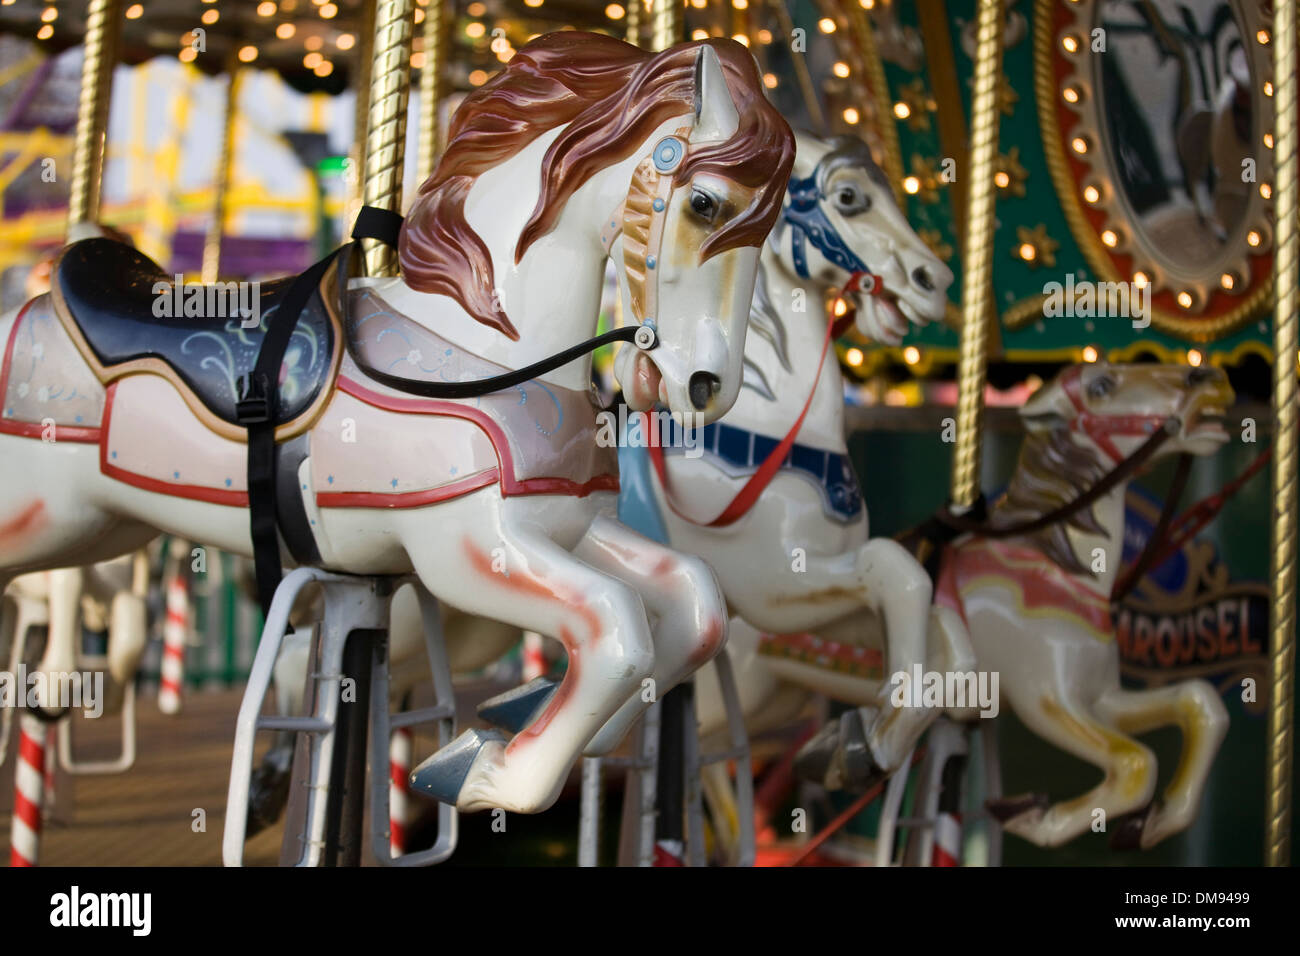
(1126, 833)
(443, 775)
(1006, 809)
(515, 709)
(838, 757)
(268, 789)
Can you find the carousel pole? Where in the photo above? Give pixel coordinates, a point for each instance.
(361, 111)
(1282, 621)
(211, 267)
(666, 24)
(103, 20)
(634, 22)
(977, 258)
(432, 87)
(390, 88)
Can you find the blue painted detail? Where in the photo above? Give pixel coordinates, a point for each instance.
(229, 483)
(176, 474)
(443, 774)
(112, 454)
(743, 449)
(658, 205)
(330, 479)
(637, 507)
(394, 482)
(808, 222)
(668, 154)
(515, 709)
(650, 262)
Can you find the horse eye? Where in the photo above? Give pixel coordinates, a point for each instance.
(1101, 388)
(703, 205)
(851, 201)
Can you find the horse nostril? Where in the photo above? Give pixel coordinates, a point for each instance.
(703, 386)
(921, 276)
(1198, 376)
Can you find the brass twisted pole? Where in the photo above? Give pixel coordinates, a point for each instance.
(634, 22)
(361, 109)
(103, 18)
(977, 257)
(665, 24)
(1282, 622)
(432, 87)
(390, 88)
(211, 268)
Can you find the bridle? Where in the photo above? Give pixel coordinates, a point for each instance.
(1100, 428)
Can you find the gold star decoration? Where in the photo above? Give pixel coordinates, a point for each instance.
(918, 104)
(1007, 98)
(1009, 175)
(926, 176)
(933, 239)
(1035, 247)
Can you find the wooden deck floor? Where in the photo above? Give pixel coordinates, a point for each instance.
(144, 817)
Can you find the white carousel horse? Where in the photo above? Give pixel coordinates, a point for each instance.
(496, 512)
(1039, 615)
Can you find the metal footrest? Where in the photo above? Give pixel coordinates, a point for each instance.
(352, 604)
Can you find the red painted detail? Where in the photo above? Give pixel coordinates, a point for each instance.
(665, 857)
(406, 499)
(70, 433)
(711, 640)
(31, 751)
(396, 835)
(1043, 585)
(174, 650)
(942, 857)
(559, 700)
(26, 522)
(1100, 428)
(27, 811)
(510, 485)
(217, 496)
(524, 581)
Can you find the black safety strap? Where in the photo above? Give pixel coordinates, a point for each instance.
(259, 401)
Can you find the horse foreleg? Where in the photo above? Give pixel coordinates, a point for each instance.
(897, 587)
(684, 601)
(1199, 713)
(526, 579)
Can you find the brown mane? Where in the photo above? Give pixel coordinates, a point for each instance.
(612, 96)
(1052, 471)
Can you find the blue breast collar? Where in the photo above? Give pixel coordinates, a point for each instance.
(808, 222)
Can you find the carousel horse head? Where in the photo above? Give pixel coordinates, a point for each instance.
(1091, 417)
(675, 163)
(841, 223)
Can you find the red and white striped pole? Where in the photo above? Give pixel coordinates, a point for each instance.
(947, 849)
(175, 631)
(399, 771)
(29, 787)
(534, 656)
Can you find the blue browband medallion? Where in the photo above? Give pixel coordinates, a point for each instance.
(744, 450)
(808, 222)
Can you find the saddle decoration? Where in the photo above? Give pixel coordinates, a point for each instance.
(775, 460)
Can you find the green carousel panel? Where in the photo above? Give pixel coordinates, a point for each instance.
(1134, 171)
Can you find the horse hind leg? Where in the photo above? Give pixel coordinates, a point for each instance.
(1130, 770)
(1197, 710)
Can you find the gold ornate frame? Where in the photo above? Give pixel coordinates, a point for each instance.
(1065, 89)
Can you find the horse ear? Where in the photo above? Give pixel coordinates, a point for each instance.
(1046, 410)
(716, 117)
